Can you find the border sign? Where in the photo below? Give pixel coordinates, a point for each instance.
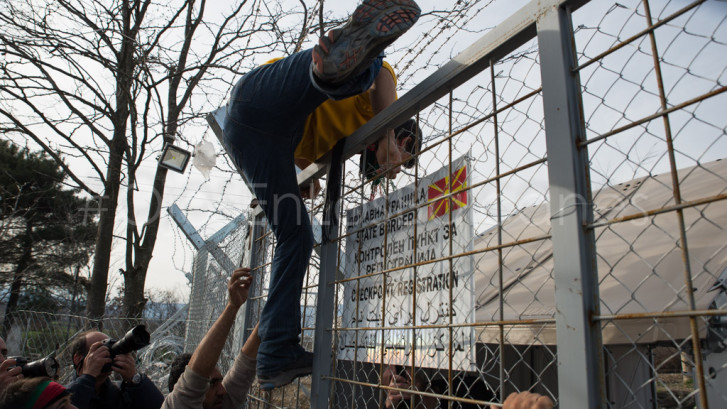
(419, 226)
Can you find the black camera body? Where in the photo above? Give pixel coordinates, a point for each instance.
(41, 367)
(135, 339)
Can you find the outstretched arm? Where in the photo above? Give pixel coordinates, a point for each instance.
(383, 91)
(239, 379)
(383, 94)
(208, 351)
(252, 344)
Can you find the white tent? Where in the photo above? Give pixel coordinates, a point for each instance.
(640, 265)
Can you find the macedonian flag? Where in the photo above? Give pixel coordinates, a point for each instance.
(441, 187)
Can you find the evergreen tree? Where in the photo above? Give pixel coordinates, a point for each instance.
(45, 234)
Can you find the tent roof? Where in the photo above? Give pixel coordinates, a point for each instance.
(640, 265)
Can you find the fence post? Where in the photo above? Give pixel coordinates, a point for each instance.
(580, 352)
(321, 387)
(326, 306)
(252, 312)
(192, 333)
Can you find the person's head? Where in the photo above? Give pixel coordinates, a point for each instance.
(36, 393)
(409, 138)
(3, 350)
(81, 345)
(409, 142)
(176, 369)
(398, 376)
(215, 394)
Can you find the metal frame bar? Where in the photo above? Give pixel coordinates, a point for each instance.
(190, 232)
(256, 257)
(679, 213)
(211, 244)
(321, 385)
(581, 382)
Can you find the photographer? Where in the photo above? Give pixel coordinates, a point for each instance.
(7, 376)
(195, 382)
(92, 388)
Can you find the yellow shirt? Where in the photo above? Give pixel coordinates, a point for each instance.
(333, 121)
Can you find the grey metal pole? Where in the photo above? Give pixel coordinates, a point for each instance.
(321, 386)
(192, 335)
(252, 312)
(210, 245)
(325, 310)
(581, 381)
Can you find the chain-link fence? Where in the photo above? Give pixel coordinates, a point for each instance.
(213, 265)
(562, 232)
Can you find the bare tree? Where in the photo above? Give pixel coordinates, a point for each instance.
(162, 304)
(109, 82)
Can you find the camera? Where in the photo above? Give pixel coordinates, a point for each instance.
(42, 367)
(135, 339)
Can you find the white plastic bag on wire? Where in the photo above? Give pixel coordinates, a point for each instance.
(204, 158)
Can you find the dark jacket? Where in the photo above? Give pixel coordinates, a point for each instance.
(114, 395)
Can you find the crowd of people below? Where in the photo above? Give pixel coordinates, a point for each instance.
(195, 381)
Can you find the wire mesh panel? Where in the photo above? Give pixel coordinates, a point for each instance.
(653, 98)
(497, 120)
(213, 265)
(482, 163)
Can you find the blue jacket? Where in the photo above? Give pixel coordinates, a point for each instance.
(114, 395)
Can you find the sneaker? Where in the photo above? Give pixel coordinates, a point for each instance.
(374, 25)
(303, 366)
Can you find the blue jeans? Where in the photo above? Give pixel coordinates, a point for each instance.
(265, 118)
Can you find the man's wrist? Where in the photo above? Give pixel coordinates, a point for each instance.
(87, 378)
(134, 380)
(232, 307)
(92, 375)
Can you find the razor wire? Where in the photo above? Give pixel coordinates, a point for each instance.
(36, 335)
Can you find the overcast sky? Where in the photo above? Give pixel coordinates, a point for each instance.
(210, 205)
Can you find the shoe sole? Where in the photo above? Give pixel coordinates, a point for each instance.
(301, 367)
(374, 25)
(282, 379)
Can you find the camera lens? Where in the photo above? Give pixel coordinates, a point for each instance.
(51, 367)
(42, 367)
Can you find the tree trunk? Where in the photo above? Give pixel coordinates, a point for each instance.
(96, 303)
(135, 277)
(99, 277)
(15, 287)
(134, 300)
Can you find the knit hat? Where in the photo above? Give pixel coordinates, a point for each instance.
(46, 393)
